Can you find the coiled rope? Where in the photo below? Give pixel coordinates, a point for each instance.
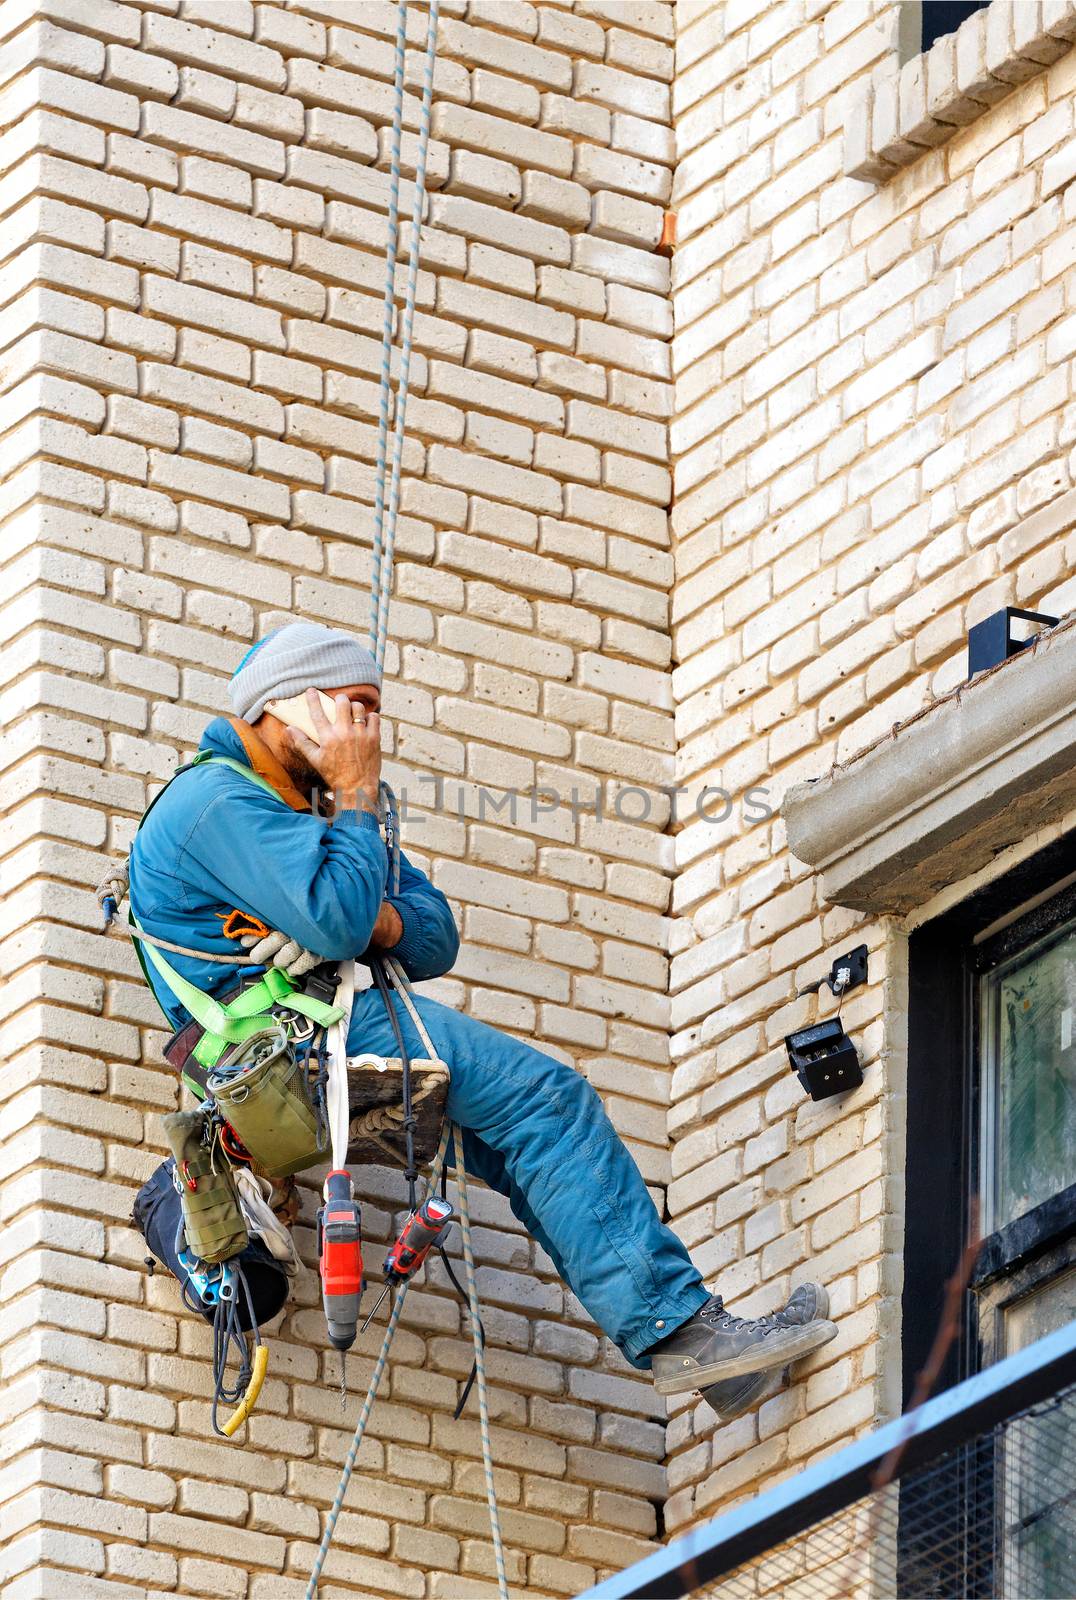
(386, 511)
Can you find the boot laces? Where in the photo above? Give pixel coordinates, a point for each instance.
(716, 1316)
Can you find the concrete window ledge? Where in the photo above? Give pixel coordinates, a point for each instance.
(904, 111)
(973, 773)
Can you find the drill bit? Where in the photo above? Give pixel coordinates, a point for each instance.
(343, 1381)
(377, 1308)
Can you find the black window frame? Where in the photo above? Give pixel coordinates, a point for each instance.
(945, 961)
(943, 1112)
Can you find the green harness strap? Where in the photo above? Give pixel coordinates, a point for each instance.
(236, 1020)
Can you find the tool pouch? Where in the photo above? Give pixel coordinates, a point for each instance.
(156, 1215)
(262, 1092)
(212, 1218)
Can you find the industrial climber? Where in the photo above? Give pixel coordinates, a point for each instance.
(315, 870)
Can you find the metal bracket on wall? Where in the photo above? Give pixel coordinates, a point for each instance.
(847, 972)
(991, 641)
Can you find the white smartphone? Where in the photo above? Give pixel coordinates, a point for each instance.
(295, 713)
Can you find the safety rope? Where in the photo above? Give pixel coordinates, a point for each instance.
(479, 1361)
(403, 988)
(386, 511)
(111, 893)
(384, 398)
(367, 1405)
(386, 507)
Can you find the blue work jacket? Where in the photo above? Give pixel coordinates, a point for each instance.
(215, 842)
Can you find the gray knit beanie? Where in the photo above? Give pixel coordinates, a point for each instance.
(302, 655)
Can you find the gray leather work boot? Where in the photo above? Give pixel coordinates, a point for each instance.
(731, 1399)
(714, 1345)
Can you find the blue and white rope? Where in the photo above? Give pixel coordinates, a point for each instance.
(386, 513)
(384, 575)
(479, 1360)
(367, 1405)
(403, 988)
(384, 398)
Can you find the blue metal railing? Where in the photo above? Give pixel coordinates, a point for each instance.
(962, 1413)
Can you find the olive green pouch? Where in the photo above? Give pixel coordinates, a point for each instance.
(263, 1094)
(212, 1218)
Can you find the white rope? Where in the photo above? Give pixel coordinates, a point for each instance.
(386, 508)
(403, 988)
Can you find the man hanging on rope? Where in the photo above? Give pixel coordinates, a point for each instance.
(535, 1130)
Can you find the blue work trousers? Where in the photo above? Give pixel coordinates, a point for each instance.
(536, 1131)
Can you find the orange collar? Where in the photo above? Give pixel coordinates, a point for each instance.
(266, 765)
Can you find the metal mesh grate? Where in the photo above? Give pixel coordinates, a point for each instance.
(993, 1518)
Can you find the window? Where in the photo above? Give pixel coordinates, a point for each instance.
(944, 16)
(992, 1118)
(1027, 1061)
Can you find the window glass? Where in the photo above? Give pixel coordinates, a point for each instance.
(1029, 1078)
(1041, 1312)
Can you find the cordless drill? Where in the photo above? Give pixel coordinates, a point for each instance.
(340, 1247)
(423, 1229)
(421, 1232)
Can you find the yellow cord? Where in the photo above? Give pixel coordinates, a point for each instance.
(254, 1389)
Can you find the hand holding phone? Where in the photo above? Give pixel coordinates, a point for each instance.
(345, 749)
(295, 712)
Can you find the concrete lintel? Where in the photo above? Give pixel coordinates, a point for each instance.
(972, 774)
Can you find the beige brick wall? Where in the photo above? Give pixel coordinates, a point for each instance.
(873, 407)
(872, 420)
(194, 201)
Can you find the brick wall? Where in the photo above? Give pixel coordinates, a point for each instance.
(194, 199)
(871, 431)
(873, 420)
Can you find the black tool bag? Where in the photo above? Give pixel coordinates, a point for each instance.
(157, 1215)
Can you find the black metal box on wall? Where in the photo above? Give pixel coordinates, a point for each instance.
(824, 1059)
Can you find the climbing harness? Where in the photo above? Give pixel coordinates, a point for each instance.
(246, 1059)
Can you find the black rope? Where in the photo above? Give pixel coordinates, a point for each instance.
(228, 1336)
(461, 1291)
(228, 1332)
(409, 1120)
(457, 1285)
(319, 1090)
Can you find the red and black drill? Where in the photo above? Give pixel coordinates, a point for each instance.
(424, 1228)
(340, 1258)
